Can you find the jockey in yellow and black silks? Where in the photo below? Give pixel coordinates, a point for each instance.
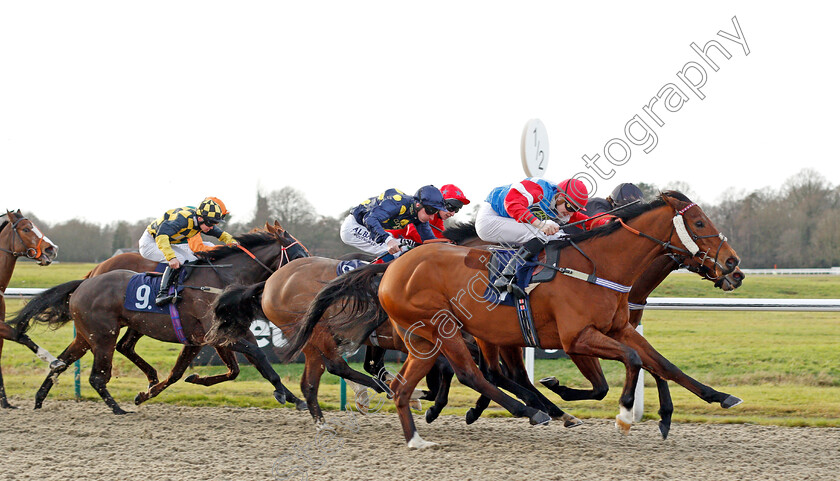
(166, 239)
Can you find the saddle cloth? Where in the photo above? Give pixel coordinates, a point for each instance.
(142, 289)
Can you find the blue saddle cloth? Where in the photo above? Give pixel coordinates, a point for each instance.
(142, 290)
(344, 267)
(524, 272)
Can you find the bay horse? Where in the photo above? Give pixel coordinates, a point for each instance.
(586, 318)
(133, 261)
(19, 237)
(96, 307)
(283, 299)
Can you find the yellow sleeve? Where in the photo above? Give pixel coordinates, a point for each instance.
(162, 242)
(226, 238)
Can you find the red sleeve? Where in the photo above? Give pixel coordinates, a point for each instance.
(590, 224)
(437, 226)
(517, 202)
(399, 233)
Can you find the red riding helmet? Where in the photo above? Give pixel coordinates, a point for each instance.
(574, 192)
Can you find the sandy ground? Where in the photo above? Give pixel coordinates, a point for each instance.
(69, 440)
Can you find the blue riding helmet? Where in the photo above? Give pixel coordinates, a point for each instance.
(430, 196)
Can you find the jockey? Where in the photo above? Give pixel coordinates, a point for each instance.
(453, 198)
(365, 227)
(529, 214)
(623, 194)
(165, 240)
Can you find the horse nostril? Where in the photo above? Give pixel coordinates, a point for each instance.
(739, 276)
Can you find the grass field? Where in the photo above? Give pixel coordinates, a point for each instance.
(785, 365)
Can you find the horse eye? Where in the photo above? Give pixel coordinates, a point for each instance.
(26, 229)
(699, 224)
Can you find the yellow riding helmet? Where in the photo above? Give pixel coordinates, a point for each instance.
(212, 209)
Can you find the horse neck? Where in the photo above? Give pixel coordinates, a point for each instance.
(7, 259)
(651, 278)
(623, 256)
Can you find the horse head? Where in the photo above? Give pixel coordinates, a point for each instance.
(27, 240)
(700, 245)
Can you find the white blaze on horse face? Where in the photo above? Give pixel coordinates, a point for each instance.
(682, 232)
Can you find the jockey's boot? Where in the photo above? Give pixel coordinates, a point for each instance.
(168, 279)
(506, 280)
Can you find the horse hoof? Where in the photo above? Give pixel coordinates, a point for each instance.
(119, 411)
(549, 382)
(6, 405)
(431, 415)
(301, 406)
(471, 416)
(191, 378)
(415, 405)
(570, 421)
(540, 419)
(280, 397)
(730, 401)
(416, 442)
(622, 426)
(139, 399)
(664, 428)
(57, 364)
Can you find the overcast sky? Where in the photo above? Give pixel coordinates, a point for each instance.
(121, 110)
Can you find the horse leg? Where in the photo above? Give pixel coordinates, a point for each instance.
(441, 387)
(309, 382)
(72, 353)
(591, 342)
(455, 349)
(103, 348)
(517, 373)
(4, 403)
(259, 360)
(126, 345)
(229, 359)
(657, 364)
(185, 357)
(666, 407)
(590, 367)
(403, 386)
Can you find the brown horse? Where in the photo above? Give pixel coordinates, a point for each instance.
(96, 306)
(586, 318)
(126, 345)
(589, 366)
(283, 299)
(19, 237)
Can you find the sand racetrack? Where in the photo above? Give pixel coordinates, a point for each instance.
(69, 440)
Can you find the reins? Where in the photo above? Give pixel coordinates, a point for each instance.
(688, 237)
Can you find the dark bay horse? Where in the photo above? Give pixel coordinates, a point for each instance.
(19, 237)
(126, 345)
(96, 307)
(583, 318)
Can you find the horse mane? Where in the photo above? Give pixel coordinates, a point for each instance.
(625, 214)
(461, 232)
(3, 225)
(249, 241)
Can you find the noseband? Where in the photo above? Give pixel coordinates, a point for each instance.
(689, 239)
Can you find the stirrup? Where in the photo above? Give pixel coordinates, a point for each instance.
(164, 298)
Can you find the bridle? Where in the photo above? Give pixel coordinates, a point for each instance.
(689, 239)
(285, 258)
(30, 252)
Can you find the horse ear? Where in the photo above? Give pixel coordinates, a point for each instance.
(278, 226)
(268, 227)
(675, 203)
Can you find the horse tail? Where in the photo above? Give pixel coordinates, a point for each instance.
(359, 291)
(51, 307)
(233, 312)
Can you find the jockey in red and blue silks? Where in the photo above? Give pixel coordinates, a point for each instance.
(365, 227)
(530, 213)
